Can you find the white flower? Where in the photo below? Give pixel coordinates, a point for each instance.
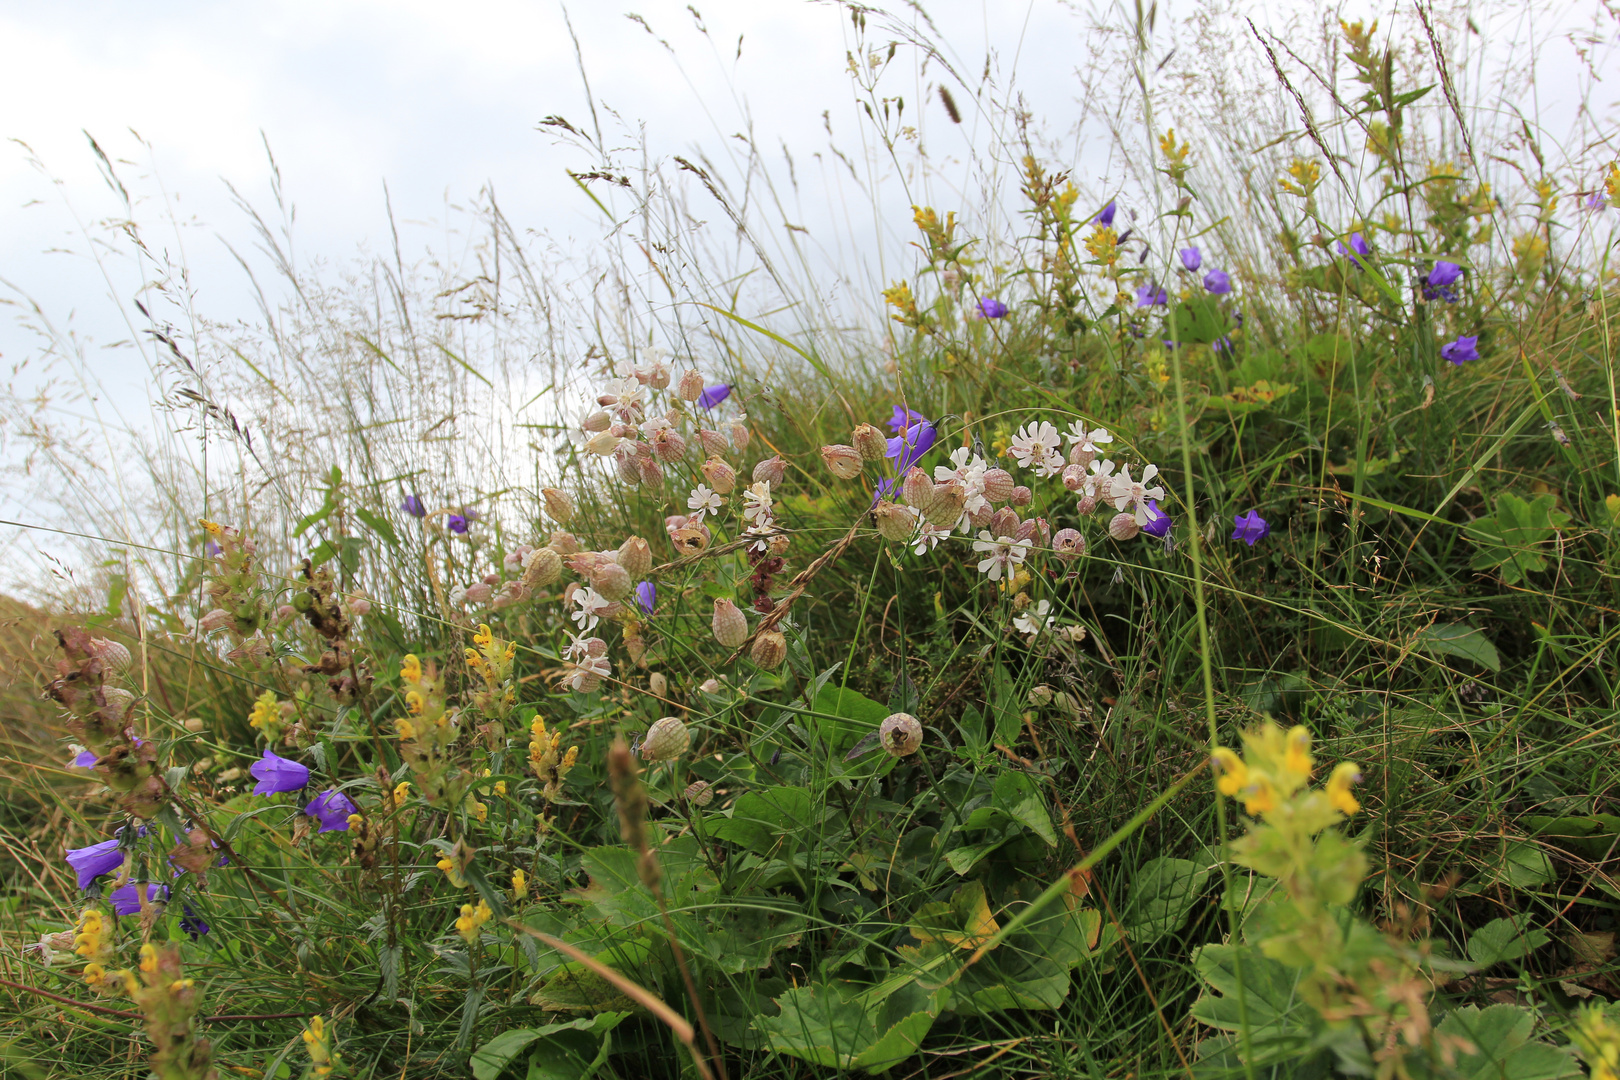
(1002, 555)
(1099, 485)
(1035, 619)
(577, 647)
(591, 605)
(1088, 440)
(657, 424)
(928, 538)
(757, 504)
(1126, 491)
(969, 468)
(704, 500)
(1036, 447)
(589, 673)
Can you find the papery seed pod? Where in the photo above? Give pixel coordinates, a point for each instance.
(624, 462)
(842, 461)
(770, 649)
(652, 473)
(730, 624)
(1087, 505)
(597, 421)
(558, 505)
(666, 740)
(658, 377)
(713, 443)
(119, 700)
(869, 442)
(543, 567)
(946, 509)
(1022, 496)
(710, 686)
(635, 646)
(777, 545)
(668, 445)
(739, 434)
(1004, 522)
(900, 735)
(691, 385)
(771, 470)
(217, 619)
(1068, 545)
(479, 593)
(1027, 530)
(896, 523)
(602, 443)
(721, 476)
(658, 683)
(1082, 455)
(917, 489)
(699, 793)
(612, 581)
(1123, 526)
(998, 485)
(635, 555)
(114, 654)
(562, 542)
(690, 539)
(1074, 477)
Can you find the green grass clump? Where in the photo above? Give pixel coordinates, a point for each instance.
(690, 731)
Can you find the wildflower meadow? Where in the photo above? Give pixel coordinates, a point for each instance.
(1163, 625)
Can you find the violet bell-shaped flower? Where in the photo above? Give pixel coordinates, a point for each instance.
(1151, 294)
(1438, 285)
(904, 418)
(712, 396)
(413, 506)
(646, 597)
(1358, 246)
(1462, 350)
(1106, 218)
(1191, 258)
(96, 859)
(908, 447)
(1251, 527)
(1159, 522)
(1217, 282)
(276, 774)
(127, 900)
(991, 308)
(332, 809)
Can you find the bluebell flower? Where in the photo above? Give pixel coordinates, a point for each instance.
(413, 506)
(713, 395)
(212, 550)
(1250, 527)
(276, 774)
(1358, 246)
(1462, 350)
(647, 596)
(332, 808)
(907, 448)
(904, 418)
(97, 859)
(1149, 294)
(127, 900)
(192, 923)
(991, 308)
(1107, 216)
(1438, 284)
(1159, 522)
(1217, 282)
(457, 523)
(1191, 258)
(84, 759)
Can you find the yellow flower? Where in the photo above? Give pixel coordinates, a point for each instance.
(1258, 795)
(500, 788)
(1103, 244)
(1338, 787)
(211, 527)
(1297, 756)
(264, 712)
(95, 974)
(481, 811)
(520, 884)
(410, 668)
(483, 637)
(452, 871)
(406, 729)
(401, 791)
(472, 920)
(415, 703)
(1233, 774)
(149, 958)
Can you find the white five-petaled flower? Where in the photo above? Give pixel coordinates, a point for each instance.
(704, 500)
(1036, 447)
(757, 504)
(627, 395)
(590, 671)
(591, 605)
(1002, 555)
(659, 423)
(1088, 440)
(577, 647)
(928, 538)
(969, 468)
(1035, 619)
(1099, 484)
(1126, 492)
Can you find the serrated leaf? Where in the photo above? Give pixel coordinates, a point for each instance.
(1455, 639)
(1499, 1048)
(1162, 893)
(1504, 939)
(833, 1026)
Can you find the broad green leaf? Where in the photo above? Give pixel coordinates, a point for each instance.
(1019, 796)
(1455, 639)
(1200, 320)
(1512, 538)
(1162, 893)
(1523, 865)
(494, 1056)
(1278, 1020)
(1504, 939)
(835, 1027)
(1498, 1046)
(1595, 836)
(964, 922)
(846, 716)
(767, 821)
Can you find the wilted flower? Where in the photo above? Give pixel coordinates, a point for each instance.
(1150, 294)
(1217, 282)
(277, 774)
(713, 395)
(413, 506)
(1462, 350)
(869, 442)
(647, 597)
(991, 308)
(770, 649)
(558, 505)
(900, 734)
(127, 900)
(332, 808)
(1250, 528)
(1191, 258)
(1159, 522)
(1358, 246)
(666, 740)
(97, 859)
(842, 461)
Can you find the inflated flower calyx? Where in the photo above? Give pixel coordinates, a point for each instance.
(114, 655)
(624, 462)
(666, 740)
(770, 649)
(479, 593)
(699, 793)
(652, 473)
(1123, 526)
(563, 542)
(998, 485)
(900, 735)
(842, 461)
(1068, 545)
(895, 522)
(739, 433)
(658, 683)
(658, 377)
(917, 489)
(635, 555)
(869, 442)
(720, 475)
(597, 421)
(710, 686)
(668, 445)
(691, 385)
(713, 443)
(730, 624)
(690, 539)
(542, 567)
(612, 581)
(558, 505)
(1074, 477)
(1082, 454)
(1004, 522)
(602, 444)
(770, 471)
(946, 509)
(1021, 496)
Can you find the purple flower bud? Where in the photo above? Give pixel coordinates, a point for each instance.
(276, 774)
(457, 523)
(713, 395)
(1159, 522)
(127, 900)
(332, 808)
(1250, 527)
(413, 506)
(1191, 258)
(1462, 350)
(1358, 246)
(1596, 202)
(647, 596)
(213, 550)
(1149, 294)
(991, 308)
(1107, 215)
(1217, 282)
(93, 861)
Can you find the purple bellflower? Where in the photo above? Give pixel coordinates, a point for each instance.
(1438, 285)
(457, 523)
(192, 923)
(904, 418)
(332, 808)
(1250, 527)
(1159, 522)
(991, 308)
(647, 597)
(1191, 258)
(1462, 350)
(712, 396)
(1217, 282)
(908, 447)
(1149, 294)
(276, 774)
(93, 861)
(84, 759)
(413, 506)
(1358, 246)
(127, 900)
(1106, 218)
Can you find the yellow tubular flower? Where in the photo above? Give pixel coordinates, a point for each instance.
(415, 703)
(451, 871)
(212, 528)
(500, 788)
(401, 791)
(149, 958)
(264, 712)
(520, 884)
(406, 729)
(1258, 795)
(1338, 788)
(482, 812)
(410, 668)
(472, 920)
(1297, 757)
(483, 637)
(1232, 773)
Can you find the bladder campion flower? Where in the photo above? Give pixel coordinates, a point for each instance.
(1002, 554)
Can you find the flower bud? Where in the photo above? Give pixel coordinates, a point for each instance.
(691, 385)
(771, 470)
(562, 542)
(1040, 695)
(668, 445)
(1004, 522)
(1068, 545)
(900, 735)
(652, 473)
(1123, 526)
(730, 624)
(691, 539)
(946, 509)
(635, 555)
(713, 443)
(770, 649)
(479, 593)
(998, 485)
(699, 793)
(558, 505)
(1074, 477)
(869, 442)
(658, 377)
(658, 683)
(980, 516)
(114, 654)
(739, 433)
(218, 619)
(602, 443)
(710, 686)
(895, 522)
(611, 580)
(721, 476)
(597, 421)
(1087, 505)
(917, 489)
(842, 461)
(666, 740)
(1022, 496)
(492, 579)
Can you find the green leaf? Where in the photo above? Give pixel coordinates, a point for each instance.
(834, 1026)
(821, 368)
(1162, 894)
(1198, 320)
(1499, 1046)
(1523, 866)
(1279, 1021)
(965, 922)
(767, 821)
(1512, 538)
(1455, 639)
(378, 525)
(1018, 796)
(1504, 939)
(847, 716)
(1006, 706)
